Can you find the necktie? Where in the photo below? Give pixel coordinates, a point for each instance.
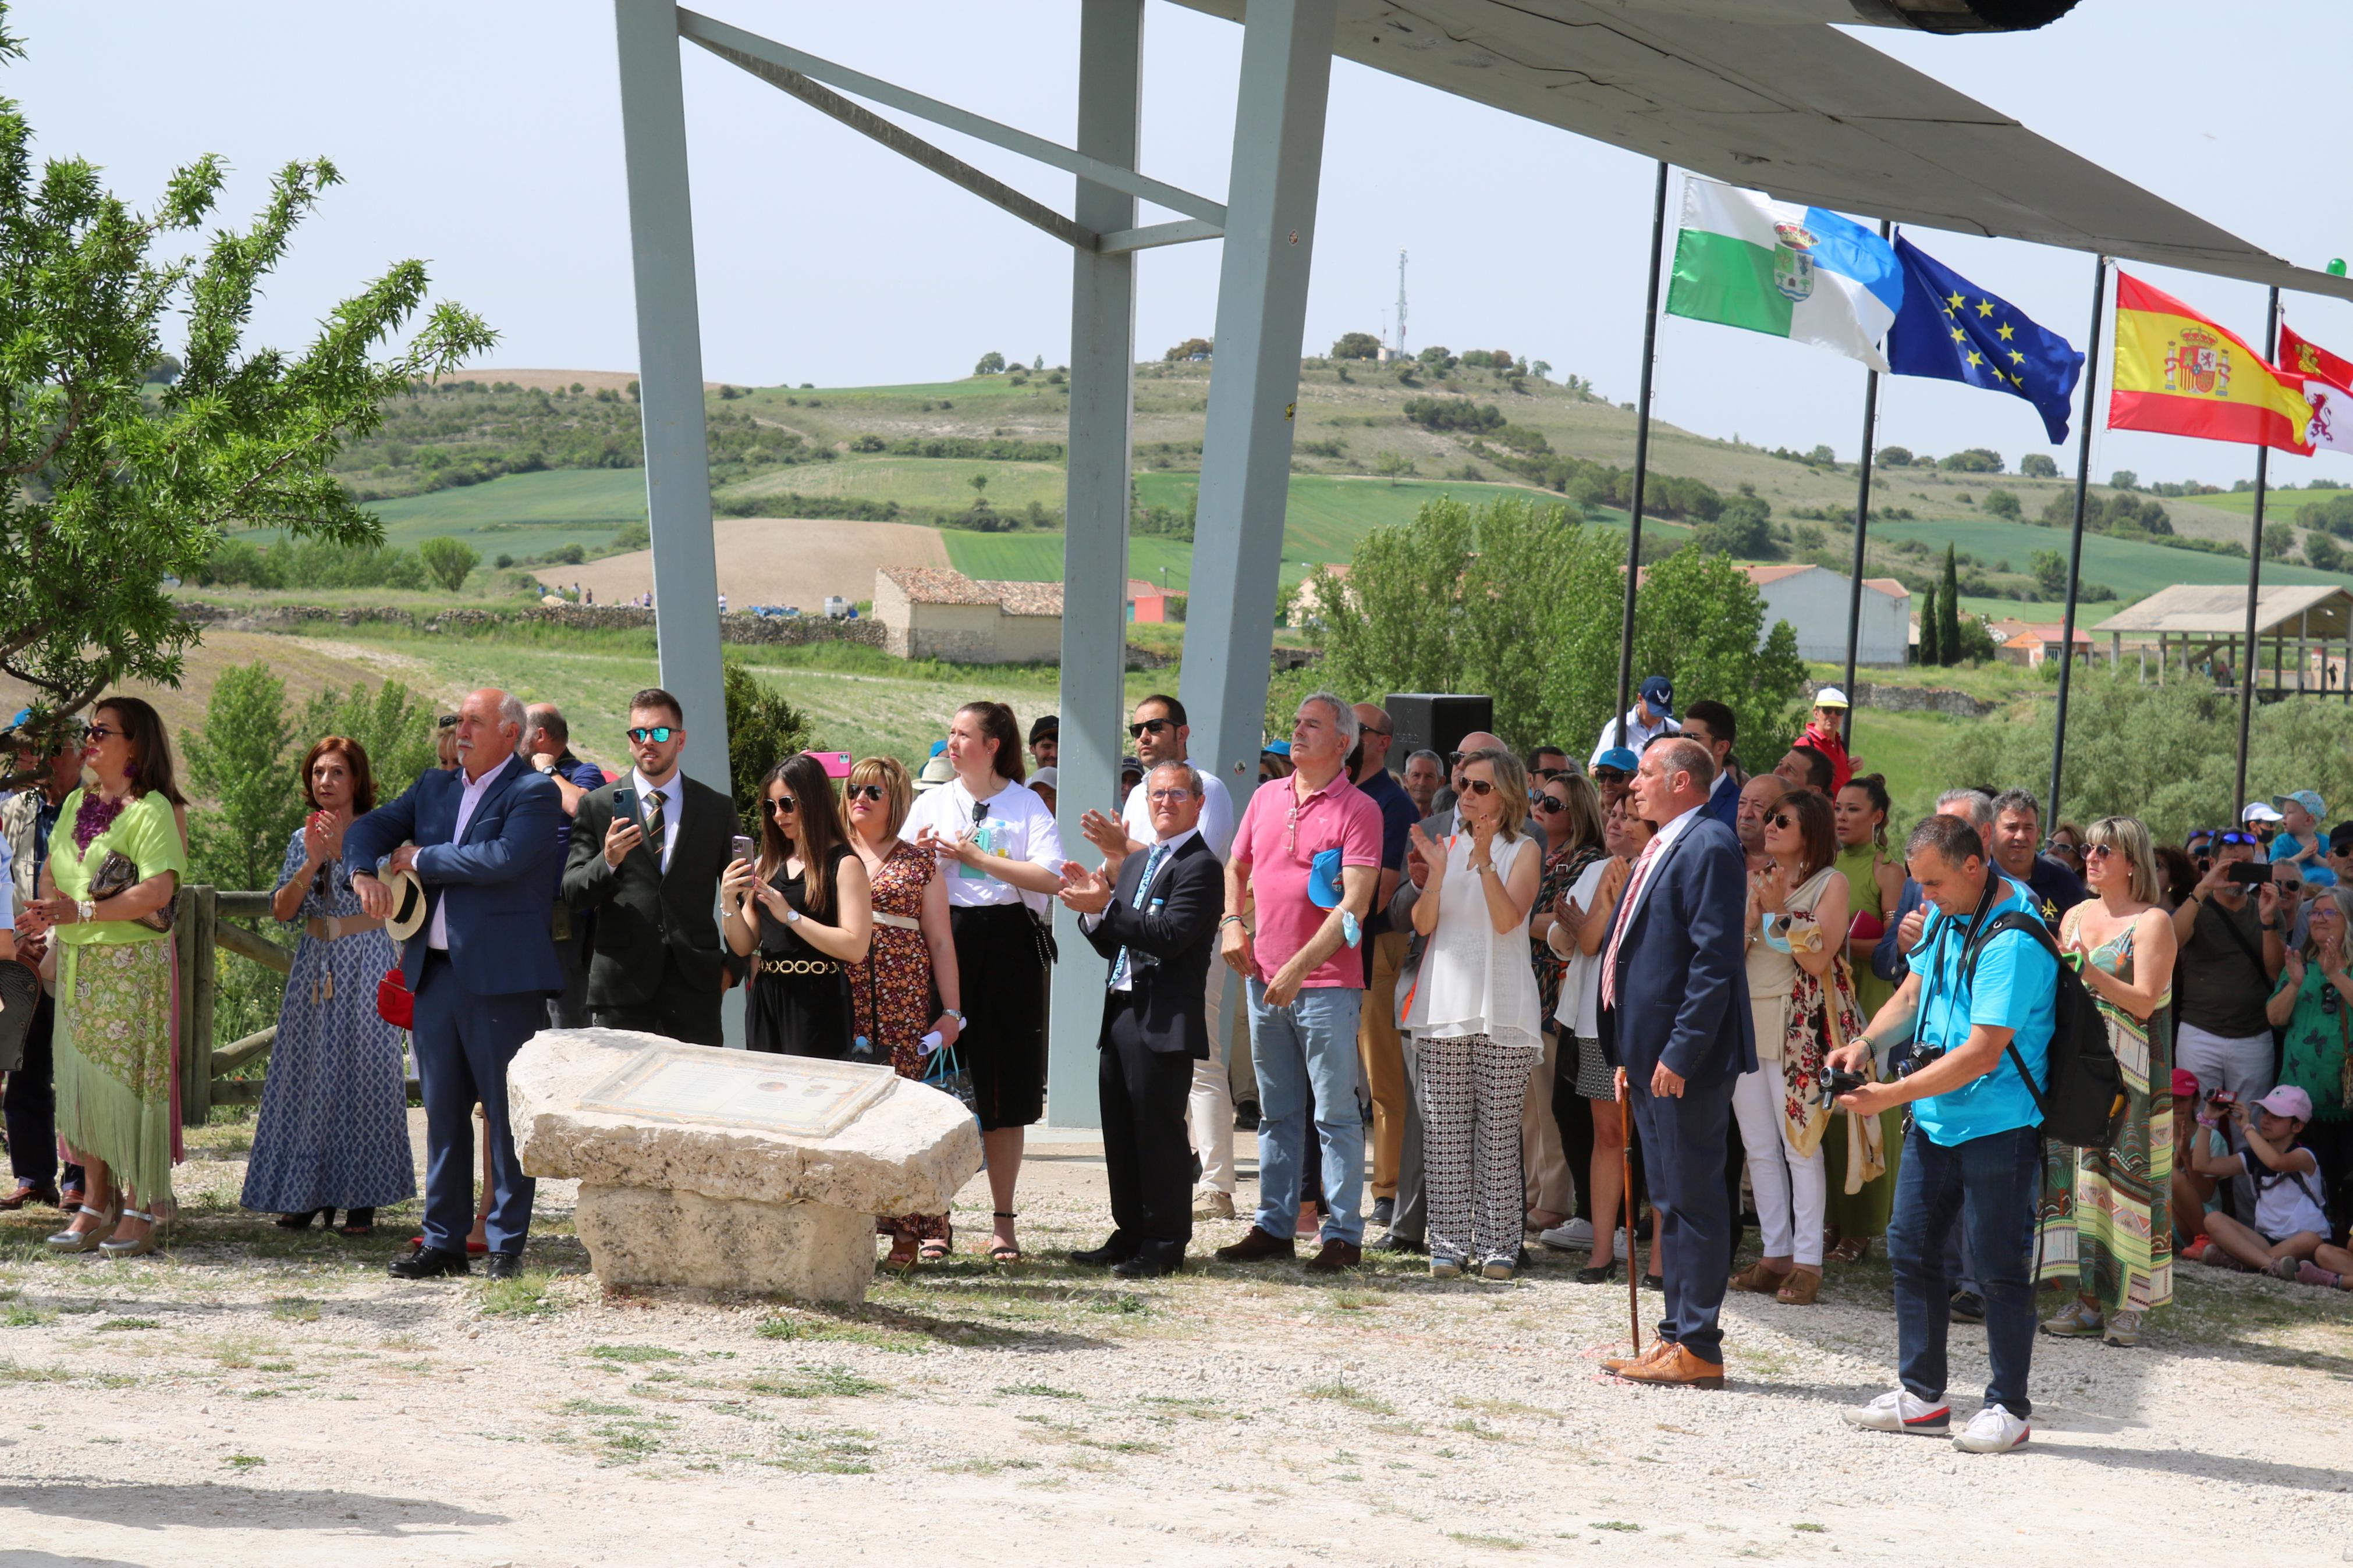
(654, 824)
(1625, 918)
(1151, 866)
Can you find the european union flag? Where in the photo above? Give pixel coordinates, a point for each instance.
(1951, 329)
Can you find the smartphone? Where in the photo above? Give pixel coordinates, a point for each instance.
(835, 763)
(742, 848)
(2247, 871)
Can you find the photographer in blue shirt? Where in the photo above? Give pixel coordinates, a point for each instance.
(1972, 1153)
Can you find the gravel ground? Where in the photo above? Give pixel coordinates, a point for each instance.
(260, 1398)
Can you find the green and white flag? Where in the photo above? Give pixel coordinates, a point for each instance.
(1746, 260)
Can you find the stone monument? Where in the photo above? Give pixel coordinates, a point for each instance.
(733, 1169)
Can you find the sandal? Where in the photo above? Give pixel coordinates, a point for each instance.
(934, 1250)
(358, 1222)
(1851, 1249)
(1003, 1251)
(1800, 1290)
(899, 1258)
(302, 1221)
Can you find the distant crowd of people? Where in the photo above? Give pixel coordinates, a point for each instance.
(1485, 985)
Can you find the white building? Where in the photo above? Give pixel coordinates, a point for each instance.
(1814, 602)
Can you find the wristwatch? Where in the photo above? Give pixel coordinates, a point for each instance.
(792, 916)
(954, 1014)
(549, 770)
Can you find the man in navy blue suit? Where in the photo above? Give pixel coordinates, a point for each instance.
(1674, 1016)
(482, 841)
(1712, 724)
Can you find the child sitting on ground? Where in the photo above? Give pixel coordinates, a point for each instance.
(2290, 1223)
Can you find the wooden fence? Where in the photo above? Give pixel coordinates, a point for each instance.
(200, 927)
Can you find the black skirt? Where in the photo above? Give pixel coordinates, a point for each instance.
(1001, 957)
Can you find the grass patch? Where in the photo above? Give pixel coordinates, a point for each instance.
(635, 1352)
(1619, 1524)
(1493, 1542)
(115, 1324)
(1339, 1392)
(524, 1296)
(872, 1335)
(20, 1316)
(817, 1383)
(10, 1372)
(244, 1461)
(293, 1309)
(1037, 1391)
(984, 1466)
(1812, 1529)
(591, 1407)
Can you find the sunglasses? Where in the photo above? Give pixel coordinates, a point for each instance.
(782, 806)
(1780, 819)
(1608, 775)
(1177, 794)
(100, 732)
(2098, 851)
(446, 721)
(1149, 727)
(1479, 787)
(1550, 804)
(1368, 730)
(872, 792)
(659, 734)
(2238, 838)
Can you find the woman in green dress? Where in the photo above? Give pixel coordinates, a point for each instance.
(2106, 1221)
(114, 1055)
(1874, 881)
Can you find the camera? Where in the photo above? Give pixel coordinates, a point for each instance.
(1836, 1081)
(1911, 1058)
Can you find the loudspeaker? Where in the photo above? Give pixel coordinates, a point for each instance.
(1434, 721)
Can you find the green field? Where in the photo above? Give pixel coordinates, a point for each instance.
(939, 483)
(2132, 569)
(522, 514)
(2279, 505)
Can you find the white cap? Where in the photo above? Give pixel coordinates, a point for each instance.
(2257, 811)
(1830, 697)
(1049, 776)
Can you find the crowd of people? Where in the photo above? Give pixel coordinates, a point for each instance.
(1461, 999)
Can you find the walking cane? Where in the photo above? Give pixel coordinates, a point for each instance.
(1626, 1186)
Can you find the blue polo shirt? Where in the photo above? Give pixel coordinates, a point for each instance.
(2016, 987)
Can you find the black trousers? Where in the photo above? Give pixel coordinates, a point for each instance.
(1146, 1153)
(30, 1105)
(675, 1010)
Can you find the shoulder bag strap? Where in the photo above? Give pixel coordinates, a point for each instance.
(2014, 920)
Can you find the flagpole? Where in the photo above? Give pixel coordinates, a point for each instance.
(1641, 454)
(2075, 543)
(2254, 579)
(1861, 522)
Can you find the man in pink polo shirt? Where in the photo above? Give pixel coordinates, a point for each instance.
(1306, 857)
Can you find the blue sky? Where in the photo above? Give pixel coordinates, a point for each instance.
(486, 139)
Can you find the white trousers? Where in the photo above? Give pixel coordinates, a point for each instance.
(2242, 1064)
(1791, 1188)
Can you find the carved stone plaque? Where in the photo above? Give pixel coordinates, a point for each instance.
(807, 1097)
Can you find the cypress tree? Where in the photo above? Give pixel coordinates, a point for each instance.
(1949, 613)
(1927, 655)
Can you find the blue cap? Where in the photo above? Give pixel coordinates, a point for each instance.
(1281, 749)
(1324, 879)
(1660, 693)
(937, 747)
(1617, 757)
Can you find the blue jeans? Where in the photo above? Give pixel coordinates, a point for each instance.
(1309, 1048)
(1988, 1186)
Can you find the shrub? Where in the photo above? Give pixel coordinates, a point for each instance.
(450, 561)
(1973, 460)
(1453, 414)
(2038, 466)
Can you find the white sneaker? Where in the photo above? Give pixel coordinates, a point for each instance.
(1899, 1412)
(1569, 1236)
(1993, 1430)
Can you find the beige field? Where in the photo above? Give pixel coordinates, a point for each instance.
(777, 560)
(305, 664)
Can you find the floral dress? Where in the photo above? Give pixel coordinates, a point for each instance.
(890, 994)
(333, 1128)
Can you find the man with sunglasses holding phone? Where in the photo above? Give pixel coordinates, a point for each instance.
(2232, 949)
(647, 852)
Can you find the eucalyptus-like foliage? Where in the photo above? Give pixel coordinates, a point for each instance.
(112, 490)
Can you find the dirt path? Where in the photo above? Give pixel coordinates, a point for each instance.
(259, 1399)
(777, 560)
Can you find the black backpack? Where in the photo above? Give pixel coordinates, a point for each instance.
(2084, 1104)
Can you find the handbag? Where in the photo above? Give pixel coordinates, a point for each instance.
(947, 1073)
(394, 1003)
(119, 874)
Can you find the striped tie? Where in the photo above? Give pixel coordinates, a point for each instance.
(1625, 918)
(1151, 867)
(654, 824)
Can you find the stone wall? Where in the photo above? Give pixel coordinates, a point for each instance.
(1889, 699)
(767, 630)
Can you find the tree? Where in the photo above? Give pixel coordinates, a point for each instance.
(2324, 552)
(394, 727)
(2038, 466)
(450, 561)
(2049, 573)
(2278, 543)
(1437, 358)
(1948, 611)
(991, 363)
(980, 483)
(1928, 653)
(1894, 457)
(1356, 345)
(2002, 502)
(1192, 348)
(238, 761)
(1540, 369)
(1742, 530)
(1392, 466)
(763, 728)
(108, 494)
(2123, 479)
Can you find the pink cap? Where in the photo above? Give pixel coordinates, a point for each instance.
(2288, 1100)
(2185, 1084)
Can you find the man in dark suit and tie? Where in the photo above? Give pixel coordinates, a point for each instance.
(1674, 1016)
(481, 840)
(647, 851)
(1158, 927)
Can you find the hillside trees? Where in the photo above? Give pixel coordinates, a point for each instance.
(450, 561)
(990, 363)
(2038, 466)
(1948, 611)
(109, 492)
(1356, 345)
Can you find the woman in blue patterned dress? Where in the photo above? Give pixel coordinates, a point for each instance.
(334, 1130)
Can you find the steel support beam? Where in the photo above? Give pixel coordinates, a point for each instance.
(1286, 74)
(1095, 542)
(670, 389)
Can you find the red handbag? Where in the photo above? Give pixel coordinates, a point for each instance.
(396, 1004)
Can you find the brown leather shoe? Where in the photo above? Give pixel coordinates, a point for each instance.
(1256, 1248)
(1336, 1255)
(1620, 1362)
(28, 1194)
(1758, 1280)
(1803, 1285)
(1677, 1369)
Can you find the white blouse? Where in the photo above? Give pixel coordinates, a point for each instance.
(1476, 979)
(1015, 824)
(1580, 1009)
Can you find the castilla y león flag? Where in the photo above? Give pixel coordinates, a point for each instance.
(2178, 374)
(2327, 386)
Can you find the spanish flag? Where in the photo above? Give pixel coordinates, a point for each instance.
(2178, 374)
